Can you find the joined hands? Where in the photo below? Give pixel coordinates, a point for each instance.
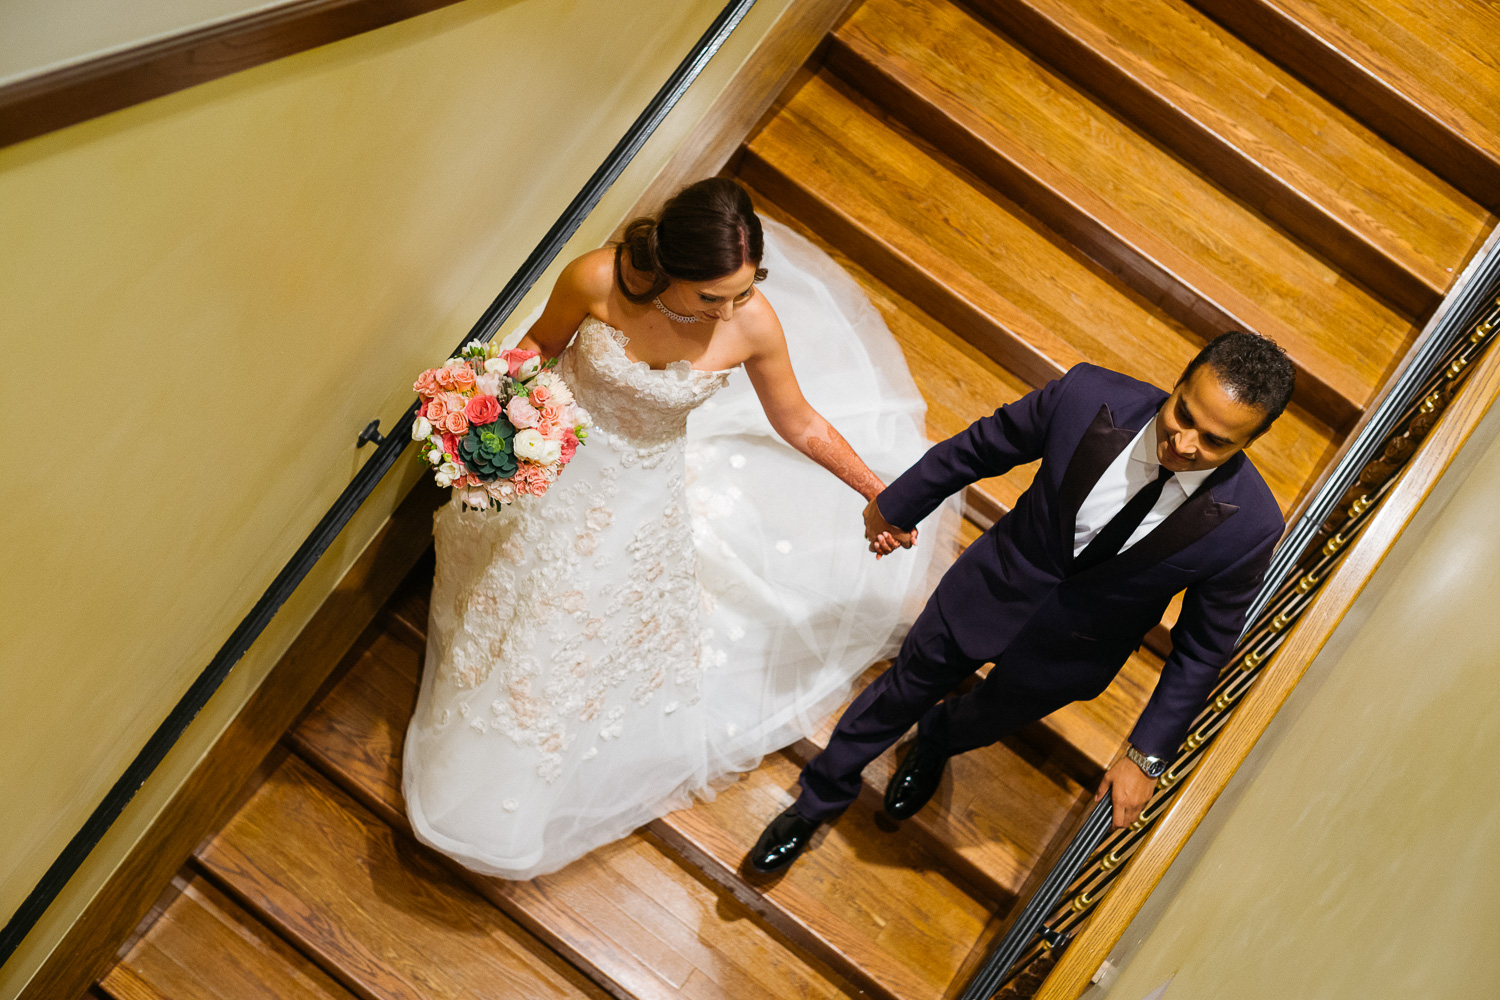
(883, 536)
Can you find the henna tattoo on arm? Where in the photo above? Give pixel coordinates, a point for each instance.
(826, 446)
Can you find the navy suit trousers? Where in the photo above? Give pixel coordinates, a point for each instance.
(929, 666)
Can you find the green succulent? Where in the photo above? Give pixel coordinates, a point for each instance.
(488, 451)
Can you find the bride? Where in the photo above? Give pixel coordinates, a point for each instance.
(693, 593)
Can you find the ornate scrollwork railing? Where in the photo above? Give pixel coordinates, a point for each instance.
(1370, 466)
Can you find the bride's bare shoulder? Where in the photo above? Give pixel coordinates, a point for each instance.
(760, 326)
(591, 276)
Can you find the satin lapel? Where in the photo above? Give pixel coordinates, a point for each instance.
(1199, 515)
(1099, 446)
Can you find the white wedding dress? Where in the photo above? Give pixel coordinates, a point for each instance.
(691, 595)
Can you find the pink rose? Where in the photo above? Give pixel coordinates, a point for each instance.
(427, 383)
(482, 410)
(522, 413)
(437, 409)
(541, 396)
(463, 377)
(569, 445)
(515, 358)
(444, 376)
(529, 479)
(547, 429)
(456, 423)
(454, 402)
(551, 414)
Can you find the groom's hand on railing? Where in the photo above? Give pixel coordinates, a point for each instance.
(883, 536)
(1130, 789)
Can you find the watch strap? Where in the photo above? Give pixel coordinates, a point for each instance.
(1153, 766)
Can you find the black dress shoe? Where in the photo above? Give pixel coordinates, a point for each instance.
(781, 842)
(919, 775)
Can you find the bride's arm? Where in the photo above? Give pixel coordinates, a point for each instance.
(801, 426)
(578, 286)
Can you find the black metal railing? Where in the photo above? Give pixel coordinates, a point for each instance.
(387, 451)
(1464, 327)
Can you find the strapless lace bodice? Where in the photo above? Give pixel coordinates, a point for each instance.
(645, 405)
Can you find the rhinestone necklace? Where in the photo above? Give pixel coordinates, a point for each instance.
(675, 317)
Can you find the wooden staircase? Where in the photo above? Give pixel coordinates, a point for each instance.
(1019, 185)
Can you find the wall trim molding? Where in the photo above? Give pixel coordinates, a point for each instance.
(36, 105)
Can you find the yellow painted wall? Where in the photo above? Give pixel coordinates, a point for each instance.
(1354, 857)
(205, 298)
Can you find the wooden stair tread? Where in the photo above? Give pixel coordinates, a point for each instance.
(386, 919)
(880, 904)
(996, 811)
(1206, 245)
(1210, 82)
(204, 946)
(959, 382)
(1440, 55)
(827, 153)
(627, 912)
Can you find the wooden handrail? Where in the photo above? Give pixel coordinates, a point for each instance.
(1076, 965)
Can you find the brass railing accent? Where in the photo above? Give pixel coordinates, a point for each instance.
(1094, 860)
(1258, 646)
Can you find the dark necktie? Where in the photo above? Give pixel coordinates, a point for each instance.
(1112, 536)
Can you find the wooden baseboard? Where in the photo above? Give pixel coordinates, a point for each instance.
(219, 782)
(771, 68)
(39, 104)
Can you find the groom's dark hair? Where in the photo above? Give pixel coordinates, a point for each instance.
(705, 231)
(1253, 370)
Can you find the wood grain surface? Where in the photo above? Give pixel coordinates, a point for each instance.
(629, 914)
(1204, 257)
(204, 946)
(385, 919)
(1421, 74)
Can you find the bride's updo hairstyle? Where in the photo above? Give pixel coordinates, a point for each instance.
(705, 231)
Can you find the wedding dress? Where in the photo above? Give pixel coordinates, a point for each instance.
(690, 595)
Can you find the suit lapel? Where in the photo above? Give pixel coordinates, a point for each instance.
(1102, 442)
(1197, 516)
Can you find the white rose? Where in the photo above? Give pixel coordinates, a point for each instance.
(582, 418)
(551, 453)
(528, 368)
(530, 444)
(420, 428)
(496, 366)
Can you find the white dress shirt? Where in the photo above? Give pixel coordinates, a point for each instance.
(1131, 470)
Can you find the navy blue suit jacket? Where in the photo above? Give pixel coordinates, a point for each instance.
(1013, 598)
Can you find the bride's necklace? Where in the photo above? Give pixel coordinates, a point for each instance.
(675, 317)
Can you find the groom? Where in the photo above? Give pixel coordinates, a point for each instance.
(1140, 494)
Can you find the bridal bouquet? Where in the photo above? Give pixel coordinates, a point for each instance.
(496, 424)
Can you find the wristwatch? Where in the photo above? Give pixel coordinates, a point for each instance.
(1153, 766)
